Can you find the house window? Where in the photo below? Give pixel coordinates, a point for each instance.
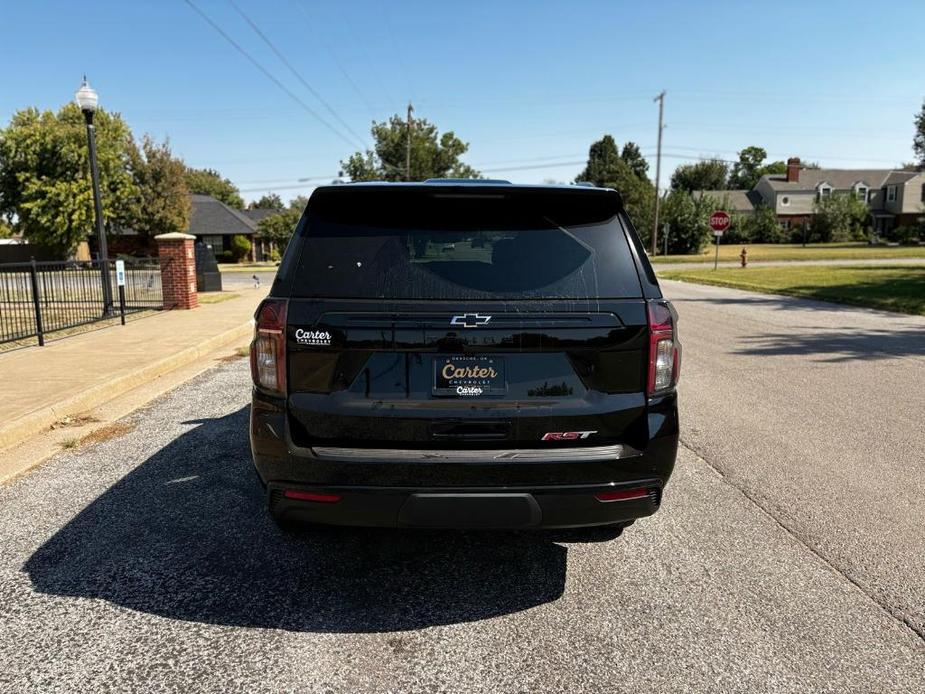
(861, 192)
(891, 194)
(216, 241)
(785, 224)
(785, 201)
(825, 190)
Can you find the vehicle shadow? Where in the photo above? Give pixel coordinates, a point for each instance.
(185, 535)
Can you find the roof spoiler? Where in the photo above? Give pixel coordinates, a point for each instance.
(470, 181)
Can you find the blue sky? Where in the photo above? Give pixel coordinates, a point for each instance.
(528, 84)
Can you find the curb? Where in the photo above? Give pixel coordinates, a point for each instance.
(38, 420)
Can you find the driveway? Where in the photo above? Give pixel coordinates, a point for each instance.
(787, 555)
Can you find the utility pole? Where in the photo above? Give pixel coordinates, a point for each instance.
(408, 154)
(658, 168)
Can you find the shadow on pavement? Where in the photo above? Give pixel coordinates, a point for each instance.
(185, 535)
(775, 301)
(837, 346)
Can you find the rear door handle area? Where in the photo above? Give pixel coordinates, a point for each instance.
(467, 430)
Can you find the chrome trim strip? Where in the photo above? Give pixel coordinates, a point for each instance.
(545, 455)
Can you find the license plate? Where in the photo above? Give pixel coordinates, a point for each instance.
(469, 376)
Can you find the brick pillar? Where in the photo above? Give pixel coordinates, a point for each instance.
(178, 270)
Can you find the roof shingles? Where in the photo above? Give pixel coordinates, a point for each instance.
(211, 217)
(838, 179)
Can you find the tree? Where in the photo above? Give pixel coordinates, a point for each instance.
(45, 175)
(761, 226)
(603, 162)
(432, 155)
(839, 217)
(278, 228)
(751, 167)
(163, 204)
(269, 201)
(210, 182)
(710, 174)
(633, 157)
(240, 247)
(918, 141)
(688, 218)
(6, 231)
(607, 169)
(298, 203)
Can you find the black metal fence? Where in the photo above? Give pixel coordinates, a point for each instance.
(43, 297)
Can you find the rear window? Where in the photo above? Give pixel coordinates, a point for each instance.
(412, 243)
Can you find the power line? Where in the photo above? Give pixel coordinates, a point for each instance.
(323, 40)
(269, 75)
(374, 72)
(399, 55)
(298, 75)
(533, 163)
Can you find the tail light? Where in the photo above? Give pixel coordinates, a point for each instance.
(664, 349)
(624, 494)
(268, 349)
(311, 496)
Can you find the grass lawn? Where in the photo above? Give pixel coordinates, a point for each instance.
(247, 267)
(891, 288)
(786, 251)
(216, 297)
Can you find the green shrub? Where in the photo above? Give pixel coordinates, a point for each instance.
(840, 217)
(240, 247)
(689, 222)
(907, 235)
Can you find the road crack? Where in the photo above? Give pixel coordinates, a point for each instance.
(899, 616)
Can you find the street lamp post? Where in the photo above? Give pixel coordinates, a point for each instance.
(87, 99)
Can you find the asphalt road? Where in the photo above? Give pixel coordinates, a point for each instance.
(240, 281)
(815, 411)
(787, 555)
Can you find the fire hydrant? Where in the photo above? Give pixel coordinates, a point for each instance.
(744, 256)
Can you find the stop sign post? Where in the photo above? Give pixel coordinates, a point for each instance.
(719, 222)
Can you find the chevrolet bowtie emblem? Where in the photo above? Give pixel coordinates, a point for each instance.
(470, 320)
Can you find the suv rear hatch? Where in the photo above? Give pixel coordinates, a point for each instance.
(455, 317)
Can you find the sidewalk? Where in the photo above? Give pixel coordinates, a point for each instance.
(42, 385)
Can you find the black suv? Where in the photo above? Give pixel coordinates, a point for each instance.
(465, 355)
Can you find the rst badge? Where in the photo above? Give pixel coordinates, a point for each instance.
(318, 338)
(566, 435)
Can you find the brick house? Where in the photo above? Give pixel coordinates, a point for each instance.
(214, 223)
(895, 198)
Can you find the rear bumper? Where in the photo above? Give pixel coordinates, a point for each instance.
(555, 507)
(460, 487)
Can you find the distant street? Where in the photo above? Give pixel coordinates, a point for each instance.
(237, 281)
(788, 555)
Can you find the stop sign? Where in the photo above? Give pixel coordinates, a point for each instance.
(719, 222)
